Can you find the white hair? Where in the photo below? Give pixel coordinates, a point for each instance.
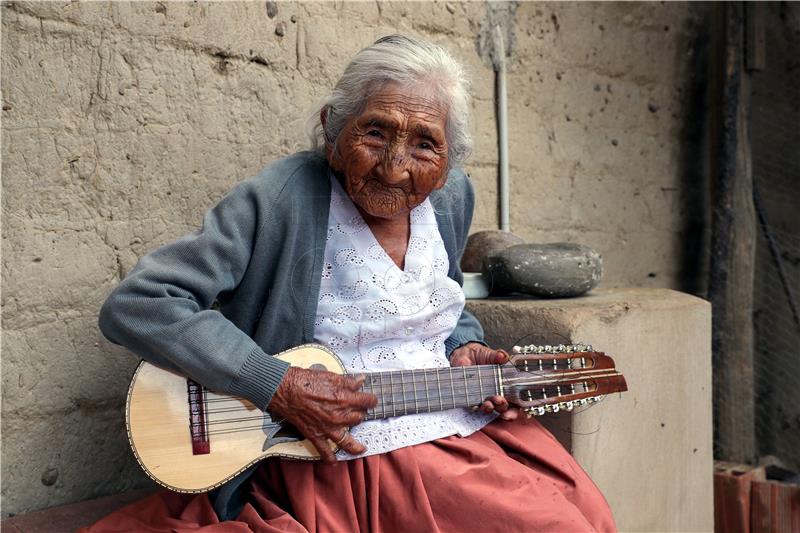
(406, 61)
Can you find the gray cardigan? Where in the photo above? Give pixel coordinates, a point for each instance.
(214, 304)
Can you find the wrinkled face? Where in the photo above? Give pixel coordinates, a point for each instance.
(394, 154)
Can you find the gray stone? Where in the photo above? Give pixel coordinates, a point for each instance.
(483, 244)
(49, 477)
(555, 270)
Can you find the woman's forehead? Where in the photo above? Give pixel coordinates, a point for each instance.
(399, 105)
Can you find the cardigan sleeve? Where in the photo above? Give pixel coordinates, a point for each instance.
(162, 311)
(468, 329)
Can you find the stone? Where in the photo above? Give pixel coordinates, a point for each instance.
(482, 244)
(272, 8)
(49, 477)
(555, 270)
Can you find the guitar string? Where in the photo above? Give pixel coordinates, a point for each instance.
(404, 408)
(261, 427)
(274, 424)
(443, 395)
(484, 368)
(546, 373)
(471, 388)
(508, 378)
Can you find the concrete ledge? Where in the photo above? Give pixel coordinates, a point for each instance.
(650, 449)
(68, 518)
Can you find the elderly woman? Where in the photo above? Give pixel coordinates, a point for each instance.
(354, 246)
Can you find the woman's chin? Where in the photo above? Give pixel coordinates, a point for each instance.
(384, 209)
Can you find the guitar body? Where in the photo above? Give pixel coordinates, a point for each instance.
(158, 413)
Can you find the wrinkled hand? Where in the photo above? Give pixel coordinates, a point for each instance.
(475, 353)
(323, 405)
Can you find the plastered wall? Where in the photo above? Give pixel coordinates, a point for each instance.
(122, 122)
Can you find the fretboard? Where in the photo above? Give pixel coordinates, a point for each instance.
(404, 392)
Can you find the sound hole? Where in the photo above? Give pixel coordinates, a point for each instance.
(288, 432)
(317, 366)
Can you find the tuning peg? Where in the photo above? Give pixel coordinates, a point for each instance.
(517, 349)
(556, 407)
(534, 411)
(561, 348)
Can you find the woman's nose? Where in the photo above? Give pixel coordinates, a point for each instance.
(396, 167)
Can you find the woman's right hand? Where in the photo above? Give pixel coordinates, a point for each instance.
(323, 405)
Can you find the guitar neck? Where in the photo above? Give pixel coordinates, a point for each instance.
(405, 392)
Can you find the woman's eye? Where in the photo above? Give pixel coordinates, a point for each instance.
(375, 133)
(426, 146)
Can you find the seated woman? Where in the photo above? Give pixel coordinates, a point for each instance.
(354, 246)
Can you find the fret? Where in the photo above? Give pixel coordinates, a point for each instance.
(403, 390)
(427, 393)
(453, 387)
(499, 381)
(466, 389)
(383, 396)
(414, 381)
(480, 385)
(366, 388)
(439, 386)
(391, 387)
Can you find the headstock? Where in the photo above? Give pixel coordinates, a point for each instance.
(547, 379)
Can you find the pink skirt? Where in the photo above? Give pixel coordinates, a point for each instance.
(509, 477)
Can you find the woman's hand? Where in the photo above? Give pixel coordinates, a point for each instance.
(323, 405)
(475, 353)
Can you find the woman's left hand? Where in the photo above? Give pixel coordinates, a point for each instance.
(475, 353)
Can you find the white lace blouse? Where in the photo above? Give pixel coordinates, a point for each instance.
(378, 317)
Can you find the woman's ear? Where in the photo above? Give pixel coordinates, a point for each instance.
(323, 119)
